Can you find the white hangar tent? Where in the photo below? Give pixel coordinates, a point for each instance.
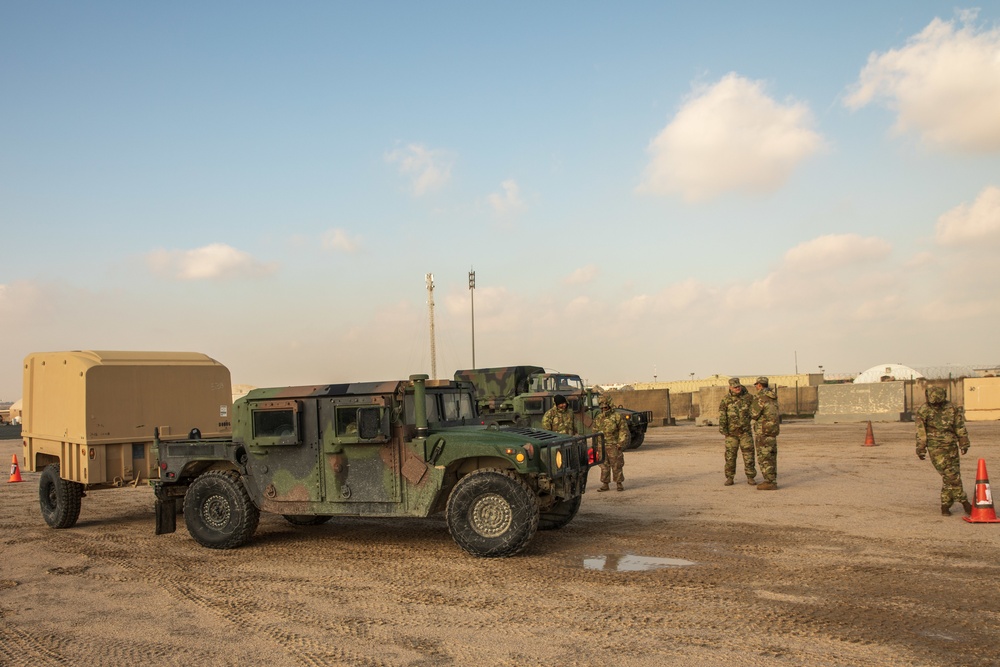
(887, 373)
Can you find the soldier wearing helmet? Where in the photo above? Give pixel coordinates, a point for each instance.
(766, 426)
(941, 433)
(734, 424)
(616, 436)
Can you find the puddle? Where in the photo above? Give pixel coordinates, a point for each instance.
(630, 563)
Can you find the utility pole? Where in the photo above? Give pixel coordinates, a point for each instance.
(472, 296)
(429, 277)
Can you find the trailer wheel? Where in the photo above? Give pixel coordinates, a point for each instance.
(492, 514)
(59, 498)
(218, 511)
(559, 514)
(306, 519)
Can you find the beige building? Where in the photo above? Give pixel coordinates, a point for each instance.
(696, 384)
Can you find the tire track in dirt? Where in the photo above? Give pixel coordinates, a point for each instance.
(20, 647)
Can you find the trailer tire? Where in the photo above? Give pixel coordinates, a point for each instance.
(559, 514)
(306, 519)
(218, 511)
(59, 498)
(492, 513)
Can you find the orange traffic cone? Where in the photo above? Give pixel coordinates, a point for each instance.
(870, 437)
(982, 503)
(15, 472)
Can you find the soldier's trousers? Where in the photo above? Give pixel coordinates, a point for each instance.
(947, 463)
(612, 464)
(740, 443)
(767, 457)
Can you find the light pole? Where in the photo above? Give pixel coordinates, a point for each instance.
(429, 278)
(472, 297)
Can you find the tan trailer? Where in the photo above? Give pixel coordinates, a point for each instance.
(982, 399)
(89, 416)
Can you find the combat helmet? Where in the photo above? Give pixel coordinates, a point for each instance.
(936, 395)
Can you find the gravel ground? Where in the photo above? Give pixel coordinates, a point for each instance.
(849, 563)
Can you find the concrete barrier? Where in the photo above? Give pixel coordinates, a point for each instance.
(852, 403)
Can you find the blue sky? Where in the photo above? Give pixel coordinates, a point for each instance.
(642, 188)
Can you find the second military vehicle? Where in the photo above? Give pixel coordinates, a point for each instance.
(393, 448)
(521, 395)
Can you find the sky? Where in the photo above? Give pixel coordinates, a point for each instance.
(643, 189)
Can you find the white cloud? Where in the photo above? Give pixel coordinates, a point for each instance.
(581, 305)
(971, 224)
(338, 239)
(730, 136)
(427, 169)
(944, 85)
(509, 201)
(216, 261)
(920, 260)
(697, 300)
(833, 251)
(582, 276)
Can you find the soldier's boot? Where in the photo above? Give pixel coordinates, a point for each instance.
(751, 481)
(767, 486)
(728, 482)
(946, 509)
(621, 487)
(967, 506)
(604, 487)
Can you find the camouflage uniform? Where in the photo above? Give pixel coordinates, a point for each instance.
(941, 433)
(734, 423)
(616, 436)
(560, 421)
(766, 420)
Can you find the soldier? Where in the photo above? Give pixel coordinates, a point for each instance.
(558, 418)
(941, 433)
(734, 424)
(615, 431)
(764, 413)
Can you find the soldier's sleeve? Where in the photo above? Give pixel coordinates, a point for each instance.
(755, 410)
(918, 419)
(547, 421)
(960, 430)
(623, 434)
(723, 417)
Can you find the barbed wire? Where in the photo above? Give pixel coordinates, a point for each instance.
(958, 371)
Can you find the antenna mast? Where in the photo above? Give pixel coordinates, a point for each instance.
(472, 295)
(429, 277)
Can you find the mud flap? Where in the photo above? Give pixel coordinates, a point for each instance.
(166, 516)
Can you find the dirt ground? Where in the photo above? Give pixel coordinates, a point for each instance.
(849, 563)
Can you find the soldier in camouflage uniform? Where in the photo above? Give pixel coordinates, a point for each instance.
(941, 433)
(734, 423)
(558, 418)
(766, 420)
(616, 436)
